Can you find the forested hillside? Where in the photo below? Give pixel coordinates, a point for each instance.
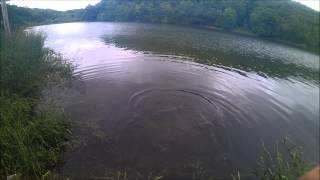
(281, 19)
(20, 16)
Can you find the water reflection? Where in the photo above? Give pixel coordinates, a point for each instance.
(148, 107)
(263, 58)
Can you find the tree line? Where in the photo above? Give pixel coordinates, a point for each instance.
(281, 20)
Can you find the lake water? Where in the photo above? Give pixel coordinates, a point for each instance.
(149, 104)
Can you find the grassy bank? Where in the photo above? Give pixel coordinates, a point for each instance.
(31, 138)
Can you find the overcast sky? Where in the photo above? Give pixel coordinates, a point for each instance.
(60, 5)
(63, 5)
(314, 4)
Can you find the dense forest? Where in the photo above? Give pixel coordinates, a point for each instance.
(281, 20)
(20, 16)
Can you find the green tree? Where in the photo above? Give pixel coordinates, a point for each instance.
(283, 20)
(264, 22)
(229, 18)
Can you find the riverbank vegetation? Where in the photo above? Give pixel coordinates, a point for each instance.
(31, 138)
(284, 161)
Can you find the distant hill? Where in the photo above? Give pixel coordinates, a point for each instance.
(20, 16)
(280, 20)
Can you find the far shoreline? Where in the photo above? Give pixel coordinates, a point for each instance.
(240, 32)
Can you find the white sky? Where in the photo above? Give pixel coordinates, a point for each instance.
(63, 5)
(314, 4)
(60, 5)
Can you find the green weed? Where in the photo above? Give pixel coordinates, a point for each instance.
(31, 139)
(286, 162)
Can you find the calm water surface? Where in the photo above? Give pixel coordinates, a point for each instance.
(148, 103)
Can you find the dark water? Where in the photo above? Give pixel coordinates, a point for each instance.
(147, 105)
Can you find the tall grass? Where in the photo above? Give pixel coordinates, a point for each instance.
(31, 140)
(286, 161)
